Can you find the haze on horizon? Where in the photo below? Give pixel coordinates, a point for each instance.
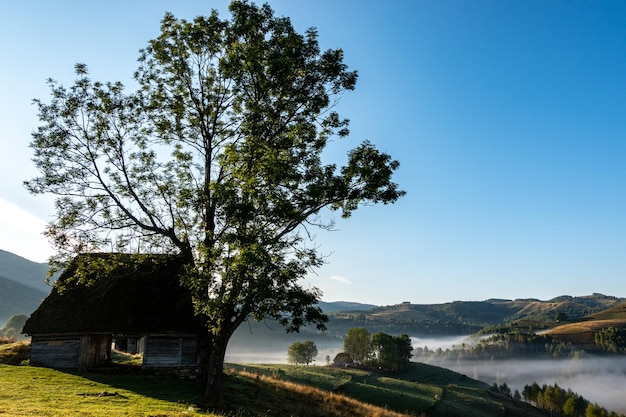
(597, 379)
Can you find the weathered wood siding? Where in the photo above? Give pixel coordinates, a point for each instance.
(189, 351)
(170, 351)
(55, 352)
(99, 349)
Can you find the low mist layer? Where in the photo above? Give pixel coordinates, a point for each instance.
(599, 380)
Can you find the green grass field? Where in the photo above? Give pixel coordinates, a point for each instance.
(422, 390)
(250, 390)
(34, 391)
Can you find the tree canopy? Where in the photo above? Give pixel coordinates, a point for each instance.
(379, 350)
(216, 156)
(357, 344)
(302, 352)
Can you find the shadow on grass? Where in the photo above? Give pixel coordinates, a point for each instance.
(240, 396)
(131, 378)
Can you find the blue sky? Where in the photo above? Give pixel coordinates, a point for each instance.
(508, 119)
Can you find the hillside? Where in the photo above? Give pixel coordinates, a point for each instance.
(581, 333)
(467, 317)
(22, 285)
(282, 390)
(16, 298)
(23, 271)
(258, 390)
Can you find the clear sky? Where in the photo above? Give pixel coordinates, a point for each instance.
(508, 119)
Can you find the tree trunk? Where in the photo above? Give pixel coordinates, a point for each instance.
(216, 366)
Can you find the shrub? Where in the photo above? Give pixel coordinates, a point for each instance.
(14, 353)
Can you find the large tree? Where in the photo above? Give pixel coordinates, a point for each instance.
(302, 352)
(357, 344)
(216, 156)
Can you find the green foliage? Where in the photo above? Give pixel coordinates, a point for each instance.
(391, 353)
(417, 390)
(502, 389)
(611, 339)
(35, 391)
(342, 359)
(380, 351)
(505, 343)
(217, 157)
(404, 348)
(385, 352)
(302, 352)
(558, 401)
(560, 316)
(357, 344)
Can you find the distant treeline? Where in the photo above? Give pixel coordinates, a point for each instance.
(557, 401)
(505, 342)
(340, 324)
(513, 344)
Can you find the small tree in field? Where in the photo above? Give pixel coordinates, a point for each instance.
(302, 352)
(357, 344)
(216, 157)
(385, 351)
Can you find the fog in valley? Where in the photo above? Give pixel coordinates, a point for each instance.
(242, 354)
(597, 379)
(600, 380)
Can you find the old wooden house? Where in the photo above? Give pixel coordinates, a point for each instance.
(134, 300)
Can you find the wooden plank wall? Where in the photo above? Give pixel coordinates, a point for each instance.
(189, 352)
(168, 351)
(99, 349)
(55, 352)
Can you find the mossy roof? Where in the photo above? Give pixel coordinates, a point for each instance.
(117, 294)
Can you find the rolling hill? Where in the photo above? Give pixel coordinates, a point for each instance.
(16, 298)
(23, 271)
(466, 317)
(582, 332)
(22, 285)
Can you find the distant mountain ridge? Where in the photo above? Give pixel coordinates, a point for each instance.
(467, 317)
(23, 271)
(16, 298)
(22, 287)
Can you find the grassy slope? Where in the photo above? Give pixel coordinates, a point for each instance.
(16, 298)
(422, 390)
(482, 313)
(33, 391)
(251, 390)
(23, 271)
(582, 333)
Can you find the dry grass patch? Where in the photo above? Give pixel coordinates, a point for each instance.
(582, 333)
(14, 353)
(312, 401)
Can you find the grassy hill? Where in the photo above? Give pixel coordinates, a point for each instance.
(23, 271)
(22, 285)
(581, 333)
(256, 390)
(16, 298)
(420, 390)
(466, 317)
(449, 319)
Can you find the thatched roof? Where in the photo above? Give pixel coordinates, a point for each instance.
(116, 293)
